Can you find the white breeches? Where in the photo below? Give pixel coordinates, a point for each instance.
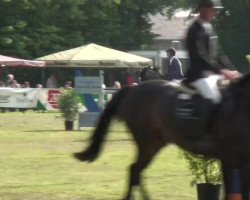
(208, 88)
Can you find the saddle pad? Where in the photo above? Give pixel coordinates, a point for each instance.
(181, 87)
(191, 114)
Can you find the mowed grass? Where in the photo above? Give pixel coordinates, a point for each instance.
(36, 163)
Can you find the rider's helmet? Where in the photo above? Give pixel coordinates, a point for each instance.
(172, 51)
(210, 3)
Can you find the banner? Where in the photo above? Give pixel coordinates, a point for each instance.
(47, 98)
(18, 97)
(43, 98)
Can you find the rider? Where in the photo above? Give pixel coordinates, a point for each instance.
(174, 68)
(205, 60)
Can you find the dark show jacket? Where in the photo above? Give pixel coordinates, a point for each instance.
(199, 48)
(174, 70)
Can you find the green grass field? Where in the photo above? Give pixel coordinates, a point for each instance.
(37, 163)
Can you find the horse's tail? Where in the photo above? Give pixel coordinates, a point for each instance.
(92, 152)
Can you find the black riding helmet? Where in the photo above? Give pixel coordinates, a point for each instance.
(209, 3)
(172, 51)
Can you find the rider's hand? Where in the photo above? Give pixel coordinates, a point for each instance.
(230, 75)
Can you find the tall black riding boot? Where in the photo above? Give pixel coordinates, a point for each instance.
(211, 118)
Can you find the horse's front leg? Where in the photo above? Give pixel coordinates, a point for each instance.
(232, 183)
(245, 182)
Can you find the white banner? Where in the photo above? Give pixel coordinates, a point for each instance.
(18, 97)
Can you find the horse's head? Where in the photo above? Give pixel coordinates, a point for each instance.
(149, 73)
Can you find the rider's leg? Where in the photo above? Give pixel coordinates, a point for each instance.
(208, 89)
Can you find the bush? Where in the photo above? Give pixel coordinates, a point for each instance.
(203, 170)
(68, 104)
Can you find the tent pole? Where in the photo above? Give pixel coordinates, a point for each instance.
(101, 94)
(43, 77)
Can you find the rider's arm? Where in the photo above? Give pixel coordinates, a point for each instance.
(223, 60)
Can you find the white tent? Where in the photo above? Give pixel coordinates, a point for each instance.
(95, 56)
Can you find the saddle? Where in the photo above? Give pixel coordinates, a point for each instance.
(193, 113)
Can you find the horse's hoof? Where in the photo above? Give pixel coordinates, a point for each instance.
(79, 156)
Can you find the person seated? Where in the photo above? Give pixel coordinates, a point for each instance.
(204, 60)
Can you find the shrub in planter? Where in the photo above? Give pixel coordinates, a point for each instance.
(206, 173)
(68, 105)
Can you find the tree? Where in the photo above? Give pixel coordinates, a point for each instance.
(233, 27)
(33, 28)
(38, 27)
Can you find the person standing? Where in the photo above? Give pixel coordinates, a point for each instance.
(205, 59)
(10, 80)
(174, 71)
(51, 82)
(68, 85)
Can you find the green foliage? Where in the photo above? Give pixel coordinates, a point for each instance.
(203, 170)
(36, 28)
(248, 58)
(68, 104)
(33, 28)
(233, 28)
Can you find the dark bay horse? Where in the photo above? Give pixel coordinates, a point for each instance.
(149, 73)
(148, 111)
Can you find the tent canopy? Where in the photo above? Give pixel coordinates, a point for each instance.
(17, 62)
(95, 56)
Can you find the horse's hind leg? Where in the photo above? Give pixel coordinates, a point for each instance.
(145, 154)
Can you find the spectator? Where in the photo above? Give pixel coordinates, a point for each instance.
(130, 77)
(13, 84)
(26, 84)
(51, 82)
(10, 80)
(2, 84)
(39, 85)
(117, 85)
(68, 85)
